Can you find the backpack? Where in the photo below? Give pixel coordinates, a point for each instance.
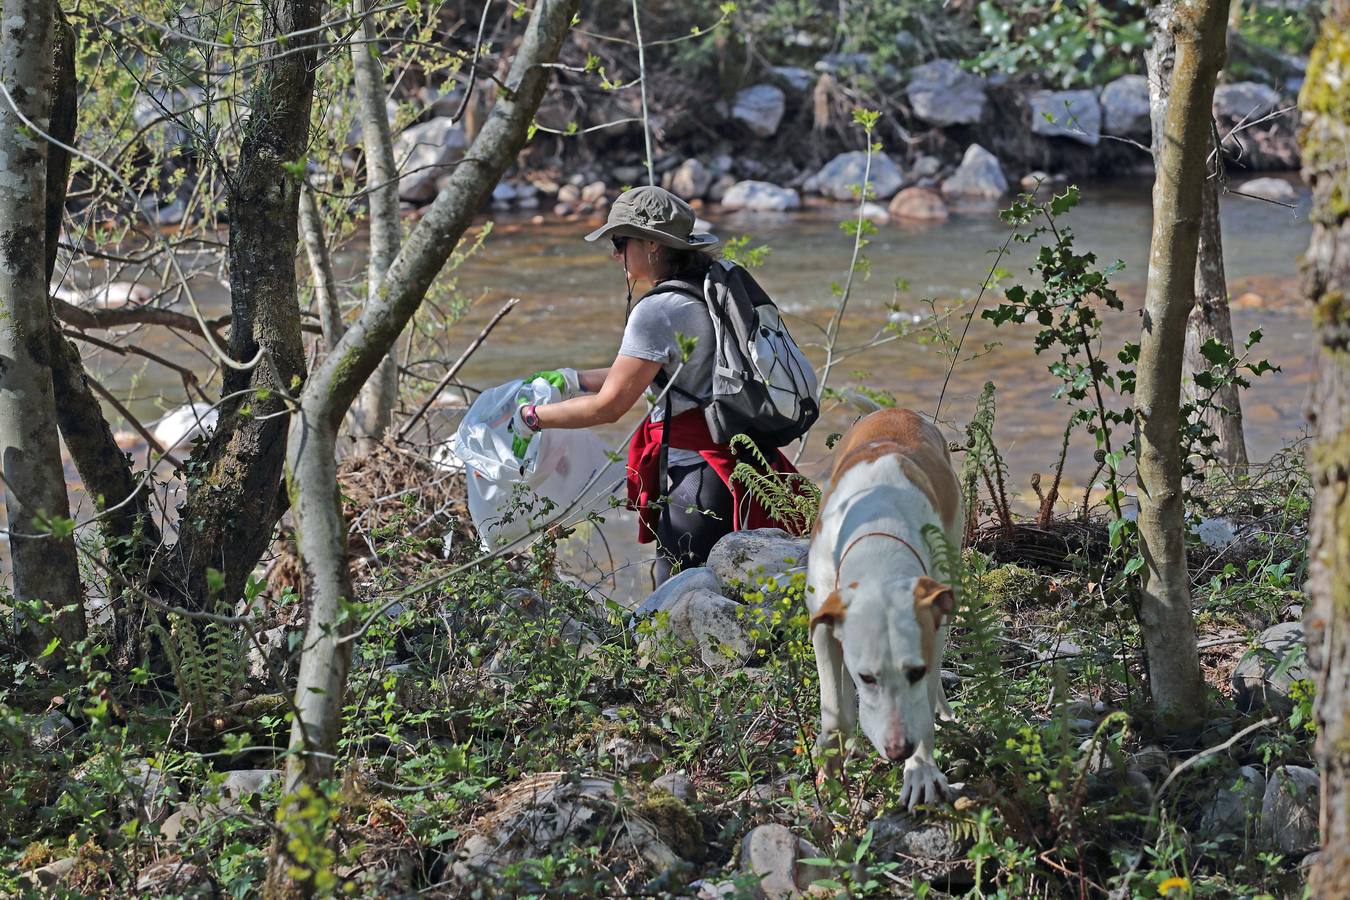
(763, 386)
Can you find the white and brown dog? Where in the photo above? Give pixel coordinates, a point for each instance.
(878, 617)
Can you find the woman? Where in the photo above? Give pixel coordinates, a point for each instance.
(652, 234)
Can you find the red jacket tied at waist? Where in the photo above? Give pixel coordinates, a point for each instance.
(689, 431)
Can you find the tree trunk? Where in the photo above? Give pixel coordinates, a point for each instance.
(374, 409)
(321, 269)
(1325, 104)
(228, 518)
(1210, 316)
(321, 531)
(45, 565)
(1165, 604)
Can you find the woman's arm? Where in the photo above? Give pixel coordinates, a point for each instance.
(591, 379)
(623, 384)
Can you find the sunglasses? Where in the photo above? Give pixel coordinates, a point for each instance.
(619, 243)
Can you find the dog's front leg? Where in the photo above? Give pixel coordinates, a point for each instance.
(937, 694)
(838, 705)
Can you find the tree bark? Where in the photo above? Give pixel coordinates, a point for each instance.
(321, 532)
(1210, 316)
(321, 269)
(1325, 104)
(46, 568)
(228, 518)
(1165, 619)
(374, 409)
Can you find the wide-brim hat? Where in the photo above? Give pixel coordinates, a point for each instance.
(654, 214)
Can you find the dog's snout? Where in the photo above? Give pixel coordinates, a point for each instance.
(899, 751)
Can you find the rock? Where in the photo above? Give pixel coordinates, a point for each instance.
(569, 193)
(175, 878)
(629, 756)
(241, 783)
(1100, 755)
(1289, 810)
(1069, 114)
(925, 167)
(875, 212)
(188, 819)
(269, 662)
(715, 625)
(184, 425)
(504, 194)
(47, 731)
(919, 204)
(942, 93)
(423, 153)
(842, 174)
(1217, 533)
(151, 791)
(678, 785)
(690, 179)
(760, 196)
(1247, 100)
(665, 596)
(923, 847)
(718, 190)
(833, 63)
(793, 79)
(742, 557)
(629, 175)
(772, 853)
(1235, 808)
(1151, 761)
(52, 874)
(979, 177)
(1276, 189)
(1125, 110)
(1255, 681)
(759, 108)
(1080, 726)
(116, 294)
(544, 815)
(593, 192)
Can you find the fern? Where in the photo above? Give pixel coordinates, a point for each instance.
(791, 498)
(208, 664)
(984, 462)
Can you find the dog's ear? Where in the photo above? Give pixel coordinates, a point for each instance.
(934, 599)
(831, 612)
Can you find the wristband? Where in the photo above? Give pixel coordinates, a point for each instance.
(530, 417)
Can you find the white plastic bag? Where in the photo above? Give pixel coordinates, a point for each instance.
(507, 494)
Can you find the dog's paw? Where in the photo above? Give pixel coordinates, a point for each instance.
(944, 709)
(923, 783)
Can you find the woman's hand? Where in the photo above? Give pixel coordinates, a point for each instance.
(623, 385)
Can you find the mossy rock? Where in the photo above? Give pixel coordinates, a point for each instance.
(1008, 587)
(674, 821)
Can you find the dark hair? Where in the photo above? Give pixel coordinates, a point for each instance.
(688, 265)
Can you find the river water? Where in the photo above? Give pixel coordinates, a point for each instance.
(572, 309)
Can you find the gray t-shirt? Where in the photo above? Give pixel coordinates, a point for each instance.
(651, 335)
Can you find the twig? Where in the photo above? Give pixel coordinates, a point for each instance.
(642, 77)
(1205, 754)
(133, 422)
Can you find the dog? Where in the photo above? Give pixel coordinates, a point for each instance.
(878, 616)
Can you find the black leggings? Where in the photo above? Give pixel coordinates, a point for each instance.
(697, 515)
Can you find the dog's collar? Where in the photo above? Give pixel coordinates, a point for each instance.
(895, 537)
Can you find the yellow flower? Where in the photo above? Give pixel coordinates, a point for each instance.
(1166, 887)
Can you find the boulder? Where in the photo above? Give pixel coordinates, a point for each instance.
(678, 785)
(47, 731)
(241, 783)
(792, 79)
(919, 204)
(181, 426)
(773, 853)
(149, 792)
(1276, 189)
(759, 108)
(269, 661)
(925, 166)
(714, 624)
(925, 848)
(760, 196)
(1068, 114)
(117, 294)
(742, 558)
(1257, 681)
(689, 180)
(52, 874)
(593, 192)
(979, 177)
(844, 173)
(1125, 109)
(631, 756)
(875, 212)
(1235, 807)
(423, 153)
(1289, 810)
(717, 191)
(547, 814)
(1247, 100)
(942, 93)
(674, 589)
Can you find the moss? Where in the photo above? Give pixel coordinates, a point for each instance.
(1331, 309)
(1325, 101)
(1010, 586)
(674, 821)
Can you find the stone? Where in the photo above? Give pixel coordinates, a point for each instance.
(760, 196)
(1289, 810)
(569, 193)
(546, 814)
(923, 847)
(423, 154)
(844, 173)
(630, 756)
(503, 194)
(1234, 810)
(1125, 109)
(773, 853)
(942, 93)
(925, 166)
(1151, 761)
(723, 183)
(117, 294)
(742, 557)
(1276, 189)
(715, 625)
(47, 731)
(265, 665)
(593, 192)
(674, 588)
(875, 212)
(1075, 115)
(1100, 755)
(629, 175)
(53, 873)
(174, 877)
(759, 108)
(678, 785)
(919, 204)
(690, 179)
(151, 791)
(241, 783)
(1256, 681)
(1247, 100)
(793, 79)
(979, 177)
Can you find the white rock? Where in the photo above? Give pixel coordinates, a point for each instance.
(715, 625)
(690, 179)
(1257, 681)
(243, 782)
(942, 93)
(1289, 810)
(1216, 533)
(423, 154)
(182, 426)
(759, 108)
(793, 78)
(772, 853)
(272, 657)
(1069, 114)
(1235, 808)
(978, 177)
(743, 557)
(117, 294)
(845, 172)
(1276, 189)
(760, 196)
(1125, 109)
(875, 212)
(48, 730)
(675, 587)
(678, 785)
